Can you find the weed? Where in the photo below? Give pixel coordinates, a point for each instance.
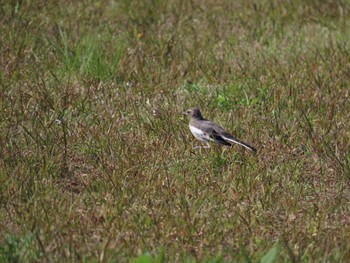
(97, 162)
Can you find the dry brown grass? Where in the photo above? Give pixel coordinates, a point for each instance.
(96, 161)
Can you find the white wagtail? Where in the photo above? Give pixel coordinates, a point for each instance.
(207, 131)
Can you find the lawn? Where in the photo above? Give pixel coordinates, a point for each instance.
(97, 161)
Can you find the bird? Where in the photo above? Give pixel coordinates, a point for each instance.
(206, 131)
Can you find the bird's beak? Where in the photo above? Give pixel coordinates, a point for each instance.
(184, 113)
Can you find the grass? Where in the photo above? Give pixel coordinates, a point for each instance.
(96, 160)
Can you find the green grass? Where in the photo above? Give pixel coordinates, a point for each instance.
(96, 160)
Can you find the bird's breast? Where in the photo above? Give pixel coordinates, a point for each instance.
(199, 134)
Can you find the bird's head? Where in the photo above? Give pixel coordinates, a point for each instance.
(194, 113)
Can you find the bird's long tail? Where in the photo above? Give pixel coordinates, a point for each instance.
(230, 138)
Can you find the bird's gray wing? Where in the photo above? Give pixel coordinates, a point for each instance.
(214, 131)
(230, 138)
(210, 127)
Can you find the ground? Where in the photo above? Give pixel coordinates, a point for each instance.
(97, 162)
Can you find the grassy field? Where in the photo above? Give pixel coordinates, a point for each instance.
(97, 162)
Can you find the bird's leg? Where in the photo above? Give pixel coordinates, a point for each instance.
(204, 147)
